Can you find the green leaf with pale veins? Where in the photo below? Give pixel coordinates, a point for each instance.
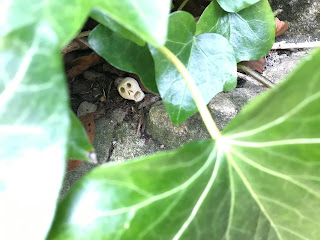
(116, 27)
(148, 198)
(79, 146)
(208, 57)
(124, 54)
(34, 126)
(251, 31)
(34, 111)
(19, 13)
(236, 6)
(274, 150)
(147, 19)
(259, 181)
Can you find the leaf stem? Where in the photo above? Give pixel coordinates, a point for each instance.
(255, 75)
(196, 94)
(182, 5)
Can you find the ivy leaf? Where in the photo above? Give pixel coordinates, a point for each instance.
(79, 146)
(137, 207)
(251, 31)
(275, 154)
(259, 181)
(147, 19)
(115, 27)
(236, 6)
(124, 54)
(34, 126)
(208, 57)
(19, 13)
(34, 111)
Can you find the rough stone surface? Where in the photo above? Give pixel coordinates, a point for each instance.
(280, 63)
(129, 145)
(85, 108)
(161, 128)
(223, 108)
(303, 18)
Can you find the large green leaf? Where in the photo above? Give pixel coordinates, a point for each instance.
(236, 6)
(124, 54)
(34, 110)
(71, 16)
(34, 126)
(147, 19)
(208, 57)
(116, 27)
(79, 146)
(251, 31)
(148, 198)
(259, 181)
(275, 151)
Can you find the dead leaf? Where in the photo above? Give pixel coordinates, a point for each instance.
(256, 65)
(81, 64)
(281, 27)
(74, 45)
(89, 125)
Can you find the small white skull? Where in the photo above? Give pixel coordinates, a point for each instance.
(129, 88)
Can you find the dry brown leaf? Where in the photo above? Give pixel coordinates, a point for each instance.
(281, 27)
(74, 45)
(256, 65)
(81, 64)
(89, 125)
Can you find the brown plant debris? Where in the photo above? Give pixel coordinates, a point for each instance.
(281, 27)
(256, 65)
(81, 64)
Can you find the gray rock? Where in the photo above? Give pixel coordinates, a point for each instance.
(129, 145)
(279, 65)
(85, 108)
(303, 18)
(223, 107)
(161, 128)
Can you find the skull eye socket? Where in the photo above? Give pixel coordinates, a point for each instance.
(122, 90)
(129, 85)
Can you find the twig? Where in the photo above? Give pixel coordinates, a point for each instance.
(277, 12)
(141, 118)
(83, 34)
(247, 78)
(182, 5)
(256, 75)
(285, 45)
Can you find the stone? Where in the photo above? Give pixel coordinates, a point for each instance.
(85, 108)
(160, 127)
(303, 18)
(280, 64)
(128, 145)
(223, 107)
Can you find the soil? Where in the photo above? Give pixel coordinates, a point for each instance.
(97, 86)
